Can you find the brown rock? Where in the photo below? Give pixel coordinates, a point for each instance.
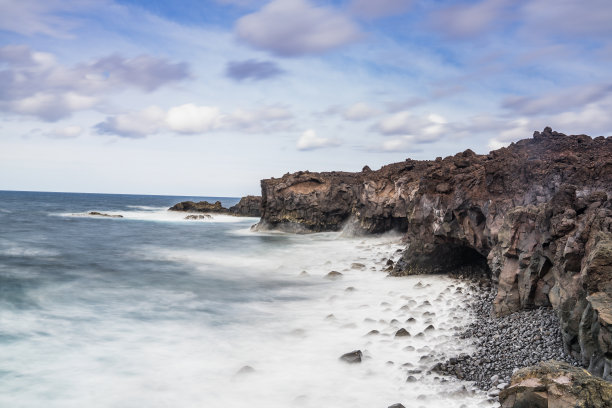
(555, 384)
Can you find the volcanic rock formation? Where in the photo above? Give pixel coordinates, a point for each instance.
(536, 216)
(249, 206)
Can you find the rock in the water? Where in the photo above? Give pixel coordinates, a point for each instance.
(202, 206)
(249, 206)
(333, 275)
(352, 357)
(556, 384)
(99, 214)
(198, 217)
(402, 333)
(398, 405)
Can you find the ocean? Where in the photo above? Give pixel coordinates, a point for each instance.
(153, 310)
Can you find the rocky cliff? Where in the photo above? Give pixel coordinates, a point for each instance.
(536, 216)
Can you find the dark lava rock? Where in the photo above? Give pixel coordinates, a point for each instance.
(536, 216)
(202, 206)
(249, 206)
(402, 333)
(352, 357)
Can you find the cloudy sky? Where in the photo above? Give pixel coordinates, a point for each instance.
(208, 97)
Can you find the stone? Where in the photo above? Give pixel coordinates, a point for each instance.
(333, 275)
(353, 357)
(556, 384)
(402, 333)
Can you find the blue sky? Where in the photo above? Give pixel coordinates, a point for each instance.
(209, 97)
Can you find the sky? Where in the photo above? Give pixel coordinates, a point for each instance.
(192, 97)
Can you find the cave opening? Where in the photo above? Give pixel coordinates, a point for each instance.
(458, 259)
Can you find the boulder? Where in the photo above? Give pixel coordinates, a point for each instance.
(558, 385)
(352, 358)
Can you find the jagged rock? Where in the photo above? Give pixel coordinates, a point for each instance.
(202, 206)
(535, 217)
(555, 384)
(352, 357)
(99, 214)
(249, 206)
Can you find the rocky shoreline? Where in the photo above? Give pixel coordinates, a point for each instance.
(504, 344)
(537, 215)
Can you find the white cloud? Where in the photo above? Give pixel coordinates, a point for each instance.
(68, 132)
(422, 129)
(310, 141)
(34, 83)
(194, 119)
(190, 118)
(296, 27)
(359, 111)
(135, 124)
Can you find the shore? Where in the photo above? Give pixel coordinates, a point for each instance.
(504, 344)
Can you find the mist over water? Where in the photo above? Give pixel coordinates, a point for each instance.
(152, 310)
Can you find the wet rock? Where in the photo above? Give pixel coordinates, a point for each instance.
(353, 357)
(357, 265)
(99, 214)
(333, 275)
(402, 333)
(202, 206)
(556, 384)
(398, 405)
(198, 217)
(373, 333)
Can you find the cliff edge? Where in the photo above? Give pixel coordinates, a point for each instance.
(535, 216)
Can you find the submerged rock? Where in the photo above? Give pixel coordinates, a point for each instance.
(99, 214)
(556, 384)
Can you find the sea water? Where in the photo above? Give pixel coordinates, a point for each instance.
(153, 310)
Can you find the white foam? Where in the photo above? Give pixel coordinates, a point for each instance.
(77, 354)
(156, 215)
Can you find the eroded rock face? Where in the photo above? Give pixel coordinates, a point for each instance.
(555, 384)
(249, 206)
(536, 216)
